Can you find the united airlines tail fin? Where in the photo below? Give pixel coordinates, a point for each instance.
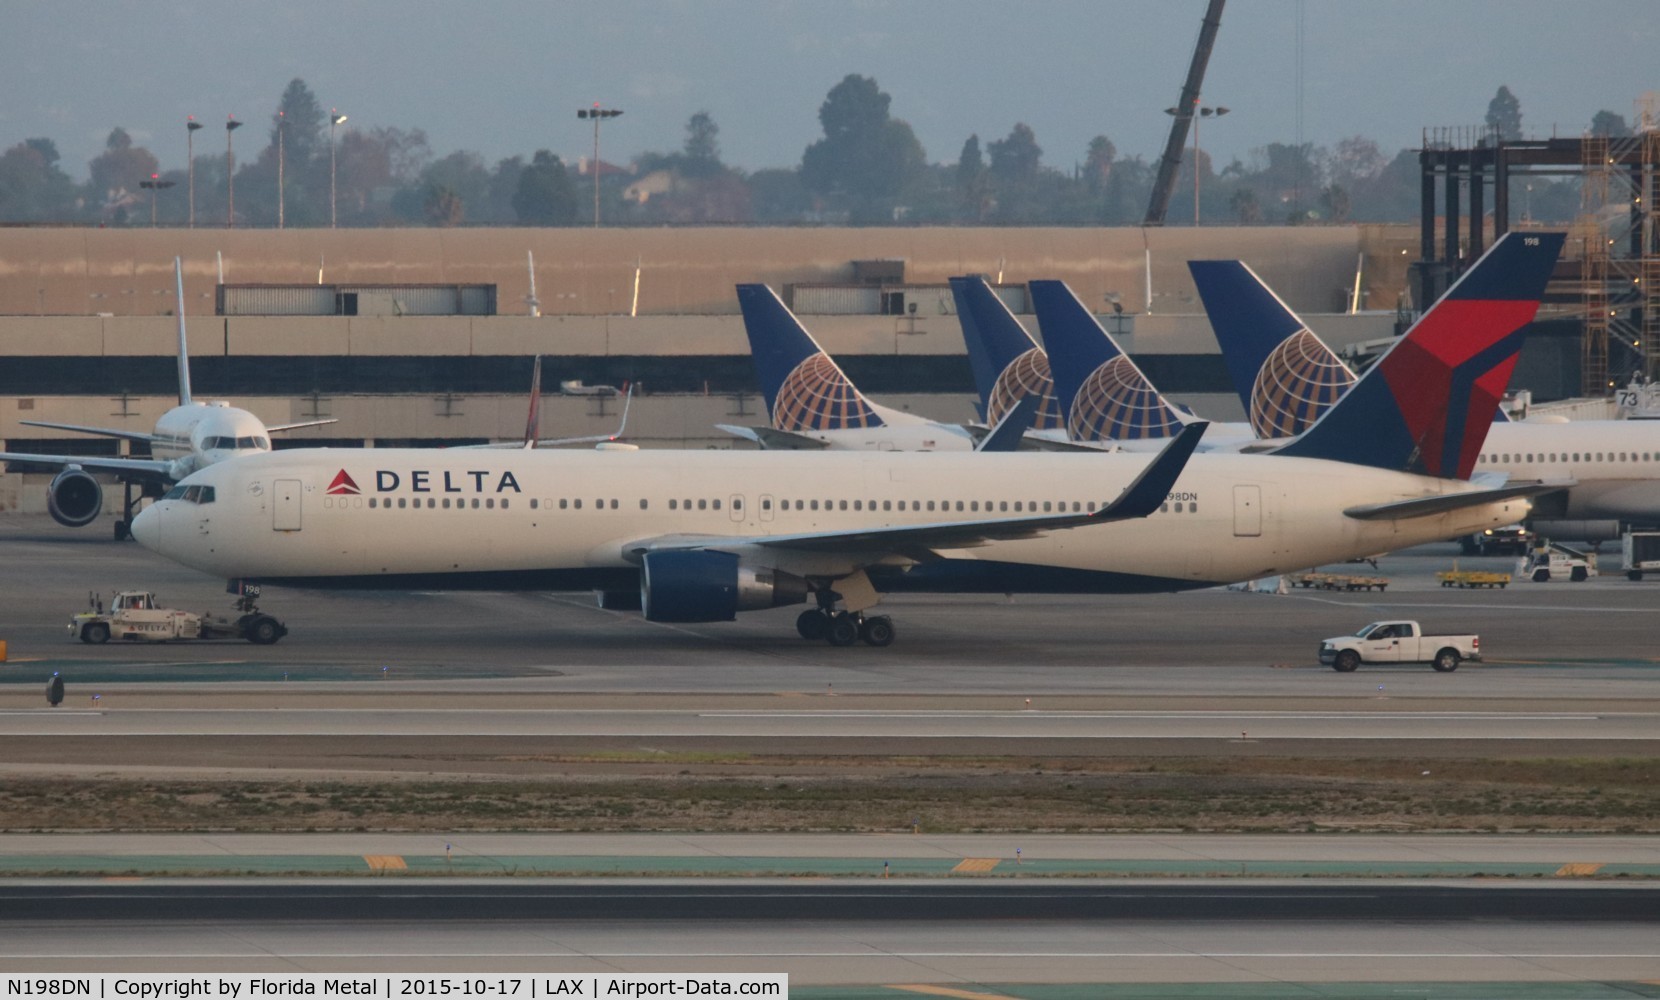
(1427, 404)
(1286, 376)
(1101, 391)
(184, 351)
(804, 389)
(1008, 364)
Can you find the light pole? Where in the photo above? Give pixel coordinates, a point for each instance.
(1202, 112)
(154, 184)
(280, 120)
(231, 125)
(335, 118)
(190, 127)
(596, 113)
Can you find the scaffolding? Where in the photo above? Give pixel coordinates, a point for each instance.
(1610, 271)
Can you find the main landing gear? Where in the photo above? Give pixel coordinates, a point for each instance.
(844, 628)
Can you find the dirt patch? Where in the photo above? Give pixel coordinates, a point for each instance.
(708, 793)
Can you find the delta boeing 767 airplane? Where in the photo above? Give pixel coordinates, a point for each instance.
(699, 536)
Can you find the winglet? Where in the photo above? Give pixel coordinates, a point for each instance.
(1008, 432)
(184, 352)
(1150, 489)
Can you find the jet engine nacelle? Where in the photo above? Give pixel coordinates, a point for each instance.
(74, 498)
(704, 586)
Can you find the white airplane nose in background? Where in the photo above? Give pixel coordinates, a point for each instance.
(146, 528)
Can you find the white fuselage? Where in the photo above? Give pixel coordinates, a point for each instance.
(544, 519)
(1615, 464)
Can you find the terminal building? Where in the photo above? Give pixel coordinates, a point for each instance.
(426, 336)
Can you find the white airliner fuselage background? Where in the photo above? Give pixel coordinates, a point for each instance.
(440, 514)
(1614, 464)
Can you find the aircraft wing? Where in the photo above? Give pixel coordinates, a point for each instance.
(127, 468)
(773, 439)
(1445, 502)
(103, 431)
(1139, 499)
(279, 428)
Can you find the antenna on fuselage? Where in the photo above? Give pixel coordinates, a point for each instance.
(184, 353)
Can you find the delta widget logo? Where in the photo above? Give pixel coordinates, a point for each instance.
(343, 485)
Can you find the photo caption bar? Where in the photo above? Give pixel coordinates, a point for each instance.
(457, 986)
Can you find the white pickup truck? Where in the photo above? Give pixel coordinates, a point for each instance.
(1398, 642)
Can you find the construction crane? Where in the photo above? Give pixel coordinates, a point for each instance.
(1185, 109)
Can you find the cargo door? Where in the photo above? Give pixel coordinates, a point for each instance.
(1247, 511)
(285, 510)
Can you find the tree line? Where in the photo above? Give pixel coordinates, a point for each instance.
(868, 168)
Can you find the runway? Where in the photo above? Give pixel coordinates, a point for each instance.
(872, 932)
(917, 727)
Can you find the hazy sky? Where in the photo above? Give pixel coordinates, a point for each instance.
(502, 77)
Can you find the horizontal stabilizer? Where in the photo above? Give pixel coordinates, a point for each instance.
(773, 439)
(1447, 502)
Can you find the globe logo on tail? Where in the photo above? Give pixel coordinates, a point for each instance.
(1116, 403)
(816, 396)
(1298, 382)
(1027, 375)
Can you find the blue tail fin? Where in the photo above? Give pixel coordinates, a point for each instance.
(1007, 363)
(1427, 404)
(1101, 391)
(804, 389)
(1284, 375)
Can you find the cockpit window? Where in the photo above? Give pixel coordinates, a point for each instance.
(191, 494)
(248, 442)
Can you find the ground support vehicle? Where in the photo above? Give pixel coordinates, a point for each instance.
(1514, 540)
(1472, 578)
(1338, 581)
(135, 615)
(1557, 562)
(1640, 553)
(1398, 642)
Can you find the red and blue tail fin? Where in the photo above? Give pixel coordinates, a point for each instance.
(1427, 404)
(804, 389)
(1008, 364)
(1102, 393)
(1285, 375)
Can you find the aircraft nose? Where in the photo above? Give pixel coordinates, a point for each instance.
(146, 528)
